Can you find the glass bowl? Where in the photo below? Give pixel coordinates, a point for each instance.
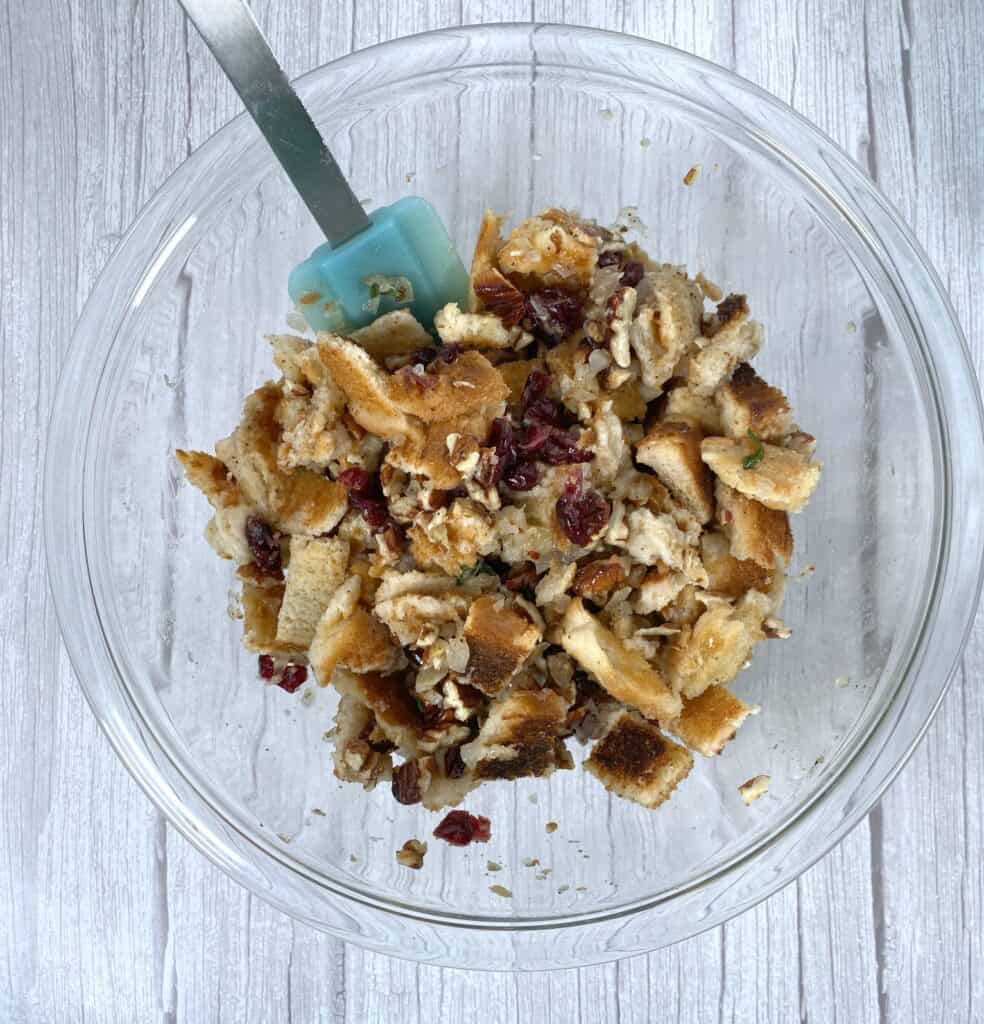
(859, 333)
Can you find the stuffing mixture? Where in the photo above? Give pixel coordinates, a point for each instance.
(565, 517)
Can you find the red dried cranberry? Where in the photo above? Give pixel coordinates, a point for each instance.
(610, 258)
(502, 441)
(460, 828)
(264, 545)
(524, 476)
(632, 274)
(292, 677)
(582, 514)
(356, 479)
(266, 666)
(536, 386)
(533, 438)
(406, 783)
(556, 313)
(365, 496)
(561, 449)
(545, 410)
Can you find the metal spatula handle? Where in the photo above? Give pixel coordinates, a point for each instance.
(231, 32)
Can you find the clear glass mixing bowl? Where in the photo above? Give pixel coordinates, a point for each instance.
(859, 333)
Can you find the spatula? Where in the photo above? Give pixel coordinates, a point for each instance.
(398, 256)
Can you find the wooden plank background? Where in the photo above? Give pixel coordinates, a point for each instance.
(106, 914)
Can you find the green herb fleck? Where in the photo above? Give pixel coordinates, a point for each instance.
(480, 568)
(374, 291)
(751, 461)
(419, 703)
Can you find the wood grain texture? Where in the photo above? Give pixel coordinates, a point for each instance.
(106, 914)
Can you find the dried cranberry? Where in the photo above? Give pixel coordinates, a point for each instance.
(449, 353)
(460, 828)
(561, 449)
(632, 274)
(356, 479)
(502, 440)
(610, 258)
(454, 765)
(292, 677)
(266, 666)
(365, 496)
(264, 545)
(536, 387)
(406, 783)
(524, 476)
(557, 314)
(545, 410)
(582, 514)
(533, 438)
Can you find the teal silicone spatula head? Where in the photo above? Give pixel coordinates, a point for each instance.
(400, 256)
(405, 259)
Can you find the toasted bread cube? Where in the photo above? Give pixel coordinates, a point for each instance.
(713, 650)
(685, 404)
(521, 736)
(471, 382)
(393, 334)
(354, 759)
(515, 374)
(471, 330)
(782, 479)
(211, 477)
(672, 450)
(658, 588)
(758, 534)
(487, 246)
(250, 452)
(310, 504)
(727, 575)
(226, 530)
(500, 639)
(666, 327)
(550, 250)
(367, 387)
(261, 606)
(317, 570)
(749, 405)
(391, 702)
(356, 641)
(623, 672)
(633, 759)
(708, 722)
(729, 339)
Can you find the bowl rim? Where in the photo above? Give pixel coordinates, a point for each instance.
(121, 735)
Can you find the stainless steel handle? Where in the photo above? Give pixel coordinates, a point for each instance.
(231, 32)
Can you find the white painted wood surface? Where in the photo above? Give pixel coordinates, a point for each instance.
(106, 914)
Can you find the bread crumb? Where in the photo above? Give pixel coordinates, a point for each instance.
(500, 890)
(318, 811)
(492, 865)
(531, 862)
(754, 788)
(411, 854)
(842, 682)
(562, 889)
(552, 826)
(691, 176)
